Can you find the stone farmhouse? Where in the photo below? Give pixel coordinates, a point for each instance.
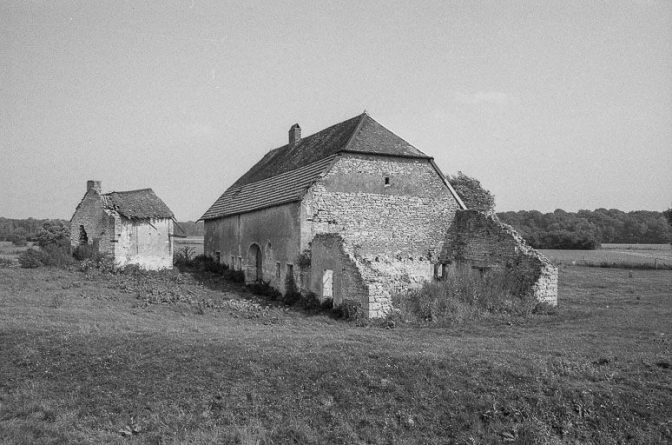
(356, 213)
(135, 227)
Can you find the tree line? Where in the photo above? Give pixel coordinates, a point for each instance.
(20, 231)
(588, 229)
(584, 229)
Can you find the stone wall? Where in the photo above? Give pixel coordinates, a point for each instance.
(95, 221)
(391, 215)
(147, 243)
(329, 253)
(403, 218)
(275, 231)
(482, 241)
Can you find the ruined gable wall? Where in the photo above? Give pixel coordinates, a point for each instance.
(275, 230)
(395, 231)
(145, 243)
(483, 241)
(98, 224)
(406, 218)
(328, 252)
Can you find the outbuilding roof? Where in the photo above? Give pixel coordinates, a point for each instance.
(284, 174)
(137, 204)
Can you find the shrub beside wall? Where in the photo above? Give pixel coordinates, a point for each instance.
(468, 295)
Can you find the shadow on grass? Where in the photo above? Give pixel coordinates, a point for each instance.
(293, 301)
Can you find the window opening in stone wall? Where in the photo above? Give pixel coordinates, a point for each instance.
(277, 271)
(83, 237)
(218, 256)
(254, 262)
(328, 284)
(387, 181)
(444, 270)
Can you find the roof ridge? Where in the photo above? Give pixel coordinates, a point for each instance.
(355, 131)
(130, 191)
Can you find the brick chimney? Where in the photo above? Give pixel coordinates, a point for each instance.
(294, 135)
(95, 185)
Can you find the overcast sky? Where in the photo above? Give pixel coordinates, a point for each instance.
(551, 104)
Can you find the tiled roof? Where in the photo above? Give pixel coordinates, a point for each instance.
(284, 174)
(137, 204)
(279, 189)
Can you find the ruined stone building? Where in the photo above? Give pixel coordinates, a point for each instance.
(354, 212)
(135, 227)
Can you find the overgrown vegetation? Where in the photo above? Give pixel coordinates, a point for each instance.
(468, 295)
(472, 193)
(303, 260)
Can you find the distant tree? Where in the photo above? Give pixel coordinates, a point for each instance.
(17, 239)
(54, 234)
(668, 216)
(474, 196)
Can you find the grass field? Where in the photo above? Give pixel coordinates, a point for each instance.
(194, 242)
(616, 255)
(179, 359)
(9, 253)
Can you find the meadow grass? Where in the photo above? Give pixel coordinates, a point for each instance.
(195, 242)
(625, 256)
(88, 358)
(9, 253)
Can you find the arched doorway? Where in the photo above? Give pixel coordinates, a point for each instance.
(254, 263)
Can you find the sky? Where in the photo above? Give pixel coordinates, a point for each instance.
(550, 104)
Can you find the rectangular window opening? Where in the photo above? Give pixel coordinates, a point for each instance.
(328, 284)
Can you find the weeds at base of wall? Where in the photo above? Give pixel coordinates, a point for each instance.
(263, 289)
(467, 296)
(91, 259)
(348, 310)
(294, 298)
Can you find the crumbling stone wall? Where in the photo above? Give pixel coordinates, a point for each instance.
(329, 252)
(482, 241)
(96, 222)
(391, 215)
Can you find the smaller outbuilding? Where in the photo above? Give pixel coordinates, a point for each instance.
(134, 227)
